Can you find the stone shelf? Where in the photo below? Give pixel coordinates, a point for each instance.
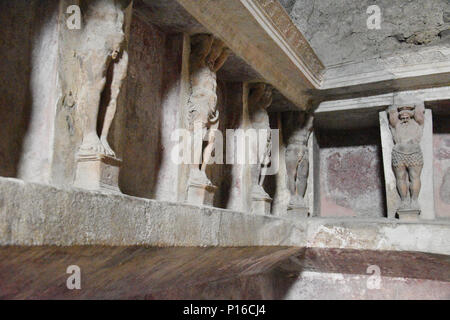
(34, 214)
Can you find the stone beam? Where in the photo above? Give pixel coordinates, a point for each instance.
(263, 35)
(403, 66)
(362, 112)
(427, 68)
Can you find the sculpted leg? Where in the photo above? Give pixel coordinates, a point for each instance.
(265, 156)
(210, 146)
(415, 184)
(90, 100)
(199, 132)
(402, 184)
(119, 74)
(93, 79)
(302, 176)
(291, 168)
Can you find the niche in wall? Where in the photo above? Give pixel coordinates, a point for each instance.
(351, 168)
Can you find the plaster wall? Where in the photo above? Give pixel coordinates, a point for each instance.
(351, 175)
(441, 147)
(29, 46)
(151, 112)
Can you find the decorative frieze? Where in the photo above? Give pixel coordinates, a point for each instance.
(290, 33)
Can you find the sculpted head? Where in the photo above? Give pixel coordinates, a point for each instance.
(405, 113)
(260, 96)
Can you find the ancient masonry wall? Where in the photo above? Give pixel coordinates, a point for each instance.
(150, 112)
(28, 92)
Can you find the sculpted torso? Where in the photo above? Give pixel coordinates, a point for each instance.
(207, 56)
(297, 158)
(260, 119)
(407, 135)
(259, 99)
(204, 97)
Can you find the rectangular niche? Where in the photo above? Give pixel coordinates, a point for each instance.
(441, 157)
(351, 169)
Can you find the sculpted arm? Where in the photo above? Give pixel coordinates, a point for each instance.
(119, 74)
(200, 46)
(393, 116)
(221, 59)
(419, 114)
(256, 94)
(309, 124)
(267, 98)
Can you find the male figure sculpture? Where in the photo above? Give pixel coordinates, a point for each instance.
(101, 51)
(208, 54)
(297, 159)
(406, 123)
(260, 98)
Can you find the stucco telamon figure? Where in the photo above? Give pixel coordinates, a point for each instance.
(406, 123)
(208, 54)
(297, 161)
(260, 98)
(101, 52)
(103, 62)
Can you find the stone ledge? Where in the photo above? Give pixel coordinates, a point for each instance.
(33, 214)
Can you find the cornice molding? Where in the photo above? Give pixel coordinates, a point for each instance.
(276, 20)
(263, 35)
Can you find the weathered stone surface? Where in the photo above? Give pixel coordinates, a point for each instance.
(56, 80)
(338, 31)
(50, 216)
(117, 240)
(98, 173)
